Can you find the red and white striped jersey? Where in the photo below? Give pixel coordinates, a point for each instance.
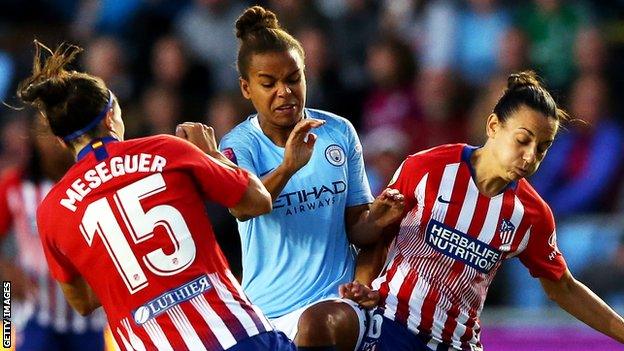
(452, 241)
(19, 198)
(129, 217)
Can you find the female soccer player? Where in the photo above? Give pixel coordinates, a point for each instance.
(467, 210)
(50, 324)
(126, 226)
(296, 257)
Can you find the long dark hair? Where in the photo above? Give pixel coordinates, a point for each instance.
(69, 100)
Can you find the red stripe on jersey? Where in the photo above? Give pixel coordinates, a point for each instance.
(450, 324)
(385, 286)
(405, 291)
(457, 196)
(428, 310)
(127, 333)
(468, 334)
(478, 218)
(199, 325)
(245, 304)
(233, 324)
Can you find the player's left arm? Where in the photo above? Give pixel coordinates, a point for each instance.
(578, 300)
(545, 261)
(80, 296)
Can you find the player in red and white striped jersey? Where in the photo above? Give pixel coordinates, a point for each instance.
(126, 228)
(467, 210)
(44, 320)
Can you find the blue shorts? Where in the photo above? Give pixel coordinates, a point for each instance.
(271, 340)
(387, 335)
(35, 337)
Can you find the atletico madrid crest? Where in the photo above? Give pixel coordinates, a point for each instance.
(507, 230)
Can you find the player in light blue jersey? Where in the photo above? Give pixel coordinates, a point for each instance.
(296, 257)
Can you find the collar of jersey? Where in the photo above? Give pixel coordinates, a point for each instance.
(467, 154)
(94, 144)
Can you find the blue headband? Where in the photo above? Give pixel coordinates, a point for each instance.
(93, 123)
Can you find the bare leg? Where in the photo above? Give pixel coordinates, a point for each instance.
(328, 323)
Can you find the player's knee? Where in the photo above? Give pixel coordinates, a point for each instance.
(325, 321)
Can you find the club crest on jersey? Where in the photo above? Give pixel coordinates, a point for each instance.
(462, 247)
(335, 155)
(506, 232)
(164, 302)
(229, 153)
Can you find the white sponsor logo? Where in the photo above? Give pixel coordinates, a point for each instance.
(171, 298)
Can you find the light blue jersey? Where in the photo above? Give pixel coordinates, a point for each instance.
(299, 253)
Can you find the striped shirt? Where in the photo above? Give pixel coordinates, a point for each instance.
(19, 198)
(452, 241)
(135, 228)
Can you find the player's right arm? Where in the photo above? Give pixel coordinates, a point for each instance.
(578, 300)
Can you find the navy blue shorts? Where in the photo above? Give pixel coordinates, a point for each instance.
(387, 335)
(265, 341)
(35, 337)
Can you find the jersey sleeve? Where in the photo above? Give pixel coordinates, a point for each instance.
(218, 182)
(541, 256)
(60, 266)
(238, 151)
(359, 190)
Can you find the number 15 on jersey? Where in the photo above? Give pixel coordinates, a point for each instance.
(99, 218)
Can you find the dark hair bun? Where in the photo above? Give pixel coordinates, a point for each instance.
(50, 92)
(523, 79)
(255, 18)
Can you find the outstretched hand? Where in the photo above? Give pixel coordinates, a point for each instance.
(387, 208)
(300, 144)
(360, 293)
(200, 135)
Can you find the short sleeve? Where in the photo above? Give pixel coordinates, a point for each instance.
(359, 189)
(60, 266)
(541, 256)
(218, 182)
(238, 151)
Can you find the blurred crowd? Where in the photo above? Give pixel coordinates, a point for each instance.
(409, 74)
